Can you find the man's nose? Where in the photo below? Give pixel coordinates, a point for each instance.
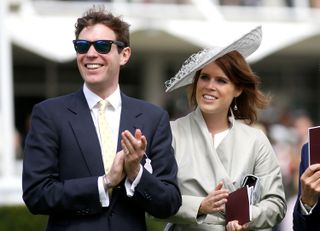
(92, 51)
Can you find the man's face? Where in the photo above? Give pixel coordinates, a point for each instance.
(101, 71)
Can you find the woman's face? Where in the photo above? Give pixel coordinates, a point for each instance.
(215, 91)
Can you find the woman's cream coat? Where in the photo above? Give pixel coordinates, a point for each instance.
(245, 150)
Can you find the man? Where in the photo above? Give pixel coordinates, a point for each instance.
(64, 172)
(306, 214)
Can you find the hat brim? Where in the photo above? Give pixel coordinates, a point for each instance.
(245, 45)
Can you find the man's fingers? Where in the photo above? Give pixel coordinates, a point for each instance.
(314, 167)
(127, 145)
(134, 143)
(143, 143)
(138, 134)
(124, 147)
(311, 170)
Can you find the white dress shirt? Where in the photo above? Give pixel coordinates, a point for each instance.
(113, 112)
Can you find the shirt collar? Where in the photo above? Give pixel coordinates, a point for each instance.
(114, 99)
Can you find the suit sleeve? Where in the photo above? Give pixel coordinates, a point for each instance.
(44, 189)
(158, 193)
(305, 222)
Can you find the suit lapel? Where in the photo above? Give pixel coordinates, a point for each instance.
(129, 119)
(85, 133)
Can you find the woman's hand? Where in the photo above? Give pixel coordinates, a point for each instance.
(234, 226)
(215, 201)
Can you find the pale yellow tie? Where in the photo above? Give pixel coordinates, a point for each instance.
(107, 144)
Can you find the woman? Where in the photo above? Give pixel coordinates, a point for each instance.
(215, 146)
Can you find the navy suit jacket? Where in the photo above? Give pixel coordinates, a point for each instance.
(302, 222)
(62, 163)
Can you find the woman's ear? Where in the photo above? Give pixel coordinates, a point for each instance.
(238, 92)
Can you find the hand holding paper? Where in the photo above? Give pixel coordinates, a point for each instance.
(238, 206)
(314, 145)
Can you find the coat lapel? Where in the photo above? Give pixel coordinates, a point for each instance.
(212, 155)
(129, 119)
(85, 133)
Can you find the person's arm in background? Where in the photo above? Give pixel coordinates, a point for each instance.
(306, 213)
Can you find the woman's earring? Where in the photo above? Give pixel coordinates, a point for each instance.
(235, 107)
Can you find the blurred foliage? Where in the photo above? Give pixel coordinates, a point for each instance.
(154, 225)
(17, 218)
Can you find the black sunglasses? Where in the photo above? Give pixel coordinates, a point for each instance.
(102, 46)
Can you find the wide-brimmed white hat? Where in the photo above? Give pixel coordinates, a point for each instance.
(245, 45)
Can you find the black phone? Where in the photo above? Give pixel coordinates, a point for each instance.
(250, 180)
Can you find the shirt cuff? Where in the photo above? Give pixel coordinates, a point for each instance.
(103, 195)
(306, 211)
(130, 187)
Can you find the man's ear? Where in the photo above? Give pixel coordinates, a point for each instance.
(125, 55)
